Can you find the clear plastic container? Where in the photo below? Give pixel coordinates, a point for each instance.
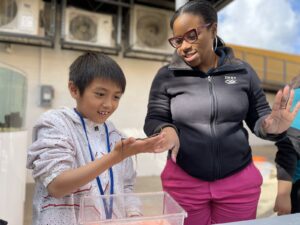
(157, 208)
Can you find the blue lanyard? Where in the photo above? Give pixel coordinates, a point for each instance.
(108, 212)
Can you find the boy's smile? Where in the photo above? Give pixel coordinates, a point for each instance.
(99, 99)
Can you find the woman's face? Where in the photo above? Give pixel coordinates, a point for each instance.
(197, 52)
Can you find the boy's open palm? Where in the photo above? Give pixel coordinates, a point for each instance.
(132, 146)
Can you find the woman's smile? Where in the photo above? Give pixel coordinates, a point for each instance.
(188, 57)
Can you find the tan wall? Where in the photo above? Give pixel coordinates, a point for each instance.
(272, 67)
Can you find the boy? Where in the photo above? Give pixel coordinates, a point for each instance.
(73, 150)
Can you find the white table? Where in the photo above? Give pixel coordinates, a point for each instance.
(293, 219)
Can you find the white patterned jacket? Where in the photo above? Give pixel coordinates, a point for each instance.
(59, 144)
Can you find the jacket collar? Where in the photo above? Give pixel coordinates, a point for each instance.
(177, 63)
(227, 61)
(72, 115)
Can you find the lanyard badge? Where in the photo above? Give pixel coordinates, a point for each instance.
(108, 210)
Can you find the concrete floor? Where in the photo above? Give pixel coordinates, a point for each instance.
(153, 184)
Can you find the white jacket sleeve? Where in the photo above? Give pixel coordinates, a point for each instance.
(52, 151)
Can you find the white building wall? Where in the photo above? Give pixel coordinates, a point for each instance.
(12, 176)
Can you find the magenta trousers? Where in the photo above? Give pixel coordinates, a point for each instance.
(230, 199)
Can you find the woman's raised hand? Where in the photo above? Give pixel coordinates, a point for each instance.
(281, 116)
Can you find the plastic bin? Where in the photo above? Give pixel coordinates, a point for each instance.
(131, 209)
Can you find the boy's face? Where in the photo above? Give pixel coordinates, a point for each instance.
(99, 100)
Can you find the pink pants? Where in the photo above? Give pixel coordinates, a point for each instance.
(230, 199)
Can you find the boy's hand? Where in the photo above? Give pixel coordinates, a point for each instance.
(132, 146)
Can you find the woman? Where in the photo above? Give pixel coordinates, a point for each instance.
(200, 101)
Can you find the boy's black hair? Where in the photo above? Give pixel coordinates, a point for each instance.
(92, 65)
(201, 8)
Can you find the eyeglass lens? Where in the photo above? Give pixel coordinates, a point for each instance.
(191, 36)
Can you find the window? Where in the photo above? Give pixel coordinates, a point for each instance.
(13, 92)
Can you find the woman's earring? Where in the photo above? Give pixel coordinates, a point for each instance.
(215, 44)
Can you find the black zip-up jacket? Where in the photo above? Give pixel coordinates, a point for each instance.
(208, 110)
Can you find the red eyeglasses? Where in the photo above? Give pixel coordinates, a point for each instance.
(191, 36)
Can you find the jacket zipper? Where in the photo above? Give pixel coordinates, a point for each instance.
(213, 128)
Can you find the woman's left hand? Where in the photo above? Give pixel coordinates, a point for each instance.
(281, 116)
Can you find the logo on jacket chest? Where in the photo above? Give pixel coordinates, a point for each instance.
(230, 79)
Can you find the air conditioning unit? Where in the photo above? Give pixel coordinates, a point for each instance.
(19, 16)
(89, 28)
(150, 30)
